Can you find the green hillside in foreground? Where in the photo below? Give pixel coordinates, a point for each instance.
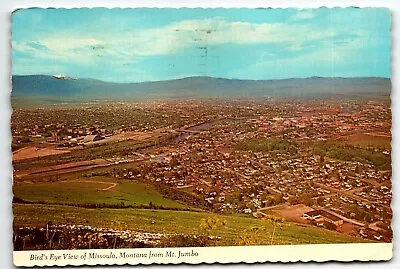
(180, 222)
(94, 190)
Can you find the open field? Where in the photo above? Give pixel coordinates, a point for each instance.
(94, 190)
(36, 152)
(61, 167)
(126, 136)
(291, 213)
(169, 222)
(368, 140)
(345, 152)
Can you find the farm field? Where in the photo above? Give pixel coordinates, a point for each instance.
(179, 222)
(93, 190)
(36, 152)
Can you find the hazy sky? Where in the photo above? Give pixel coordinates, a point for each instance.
(131, 45)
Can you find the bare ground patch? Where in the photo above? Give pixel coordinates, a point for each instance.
(292, 212)
(35, 152)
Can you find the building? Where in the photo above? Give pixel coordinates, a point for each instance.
(321, 216)
(92, 138)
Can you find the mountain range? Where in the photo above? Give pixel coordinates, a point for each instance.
(56, 87)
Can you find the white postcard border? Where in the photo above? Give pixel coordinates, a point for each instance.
(196, 255)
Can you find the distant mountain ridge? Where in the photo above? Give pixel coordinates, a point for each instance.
(196, 87)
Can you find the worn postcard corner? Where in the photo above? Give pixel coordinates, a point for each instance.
(165, 136)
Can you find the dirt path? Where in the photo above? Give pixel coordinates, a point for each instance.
(112, 184)
(110, 187)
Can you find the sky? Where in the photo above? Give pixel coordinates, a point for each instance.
(135, 45)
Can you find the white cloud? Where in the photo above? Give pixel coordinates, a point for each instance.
(65, 43)
(328, 58)
(131, 46)
(303, 14)
(218, 31)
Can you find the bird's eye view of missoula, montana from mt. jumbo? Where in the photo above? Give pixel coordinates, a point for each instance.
(151, 128)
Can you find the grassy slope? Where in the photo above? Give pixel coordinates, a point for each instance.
(128, 192)
(175, 222)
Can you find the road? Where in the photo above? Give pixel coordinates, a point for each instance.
(184, 187)
(355, 222)
(343, 192)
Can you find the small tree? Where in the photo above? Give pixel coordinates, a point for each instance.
(320, 201)
(251, 236)
(276, 222)
(211, 223)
